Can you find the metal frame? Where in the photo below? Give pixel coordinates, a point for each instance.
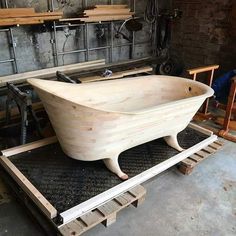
(86, 50)
(12, 43)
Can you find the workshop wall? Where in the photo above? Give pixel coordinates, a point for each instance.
(206, 34)
(34, 48)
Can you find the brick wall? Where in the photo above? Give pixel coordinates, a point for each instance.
(206, 34)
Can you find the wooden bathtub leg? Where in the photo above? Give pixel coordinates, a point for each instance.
(172, 141)
(113, 165)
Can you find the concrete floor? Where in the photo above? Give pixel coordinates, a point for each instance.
(203, 203)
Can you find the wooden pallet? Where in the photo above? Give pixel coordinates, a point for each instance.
(187, 165)
(105, 214)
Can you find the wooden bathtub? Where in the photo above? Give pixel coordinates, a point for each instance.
(100, 120)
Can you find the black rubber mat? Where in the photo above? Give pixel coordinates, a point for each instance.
(66, 182)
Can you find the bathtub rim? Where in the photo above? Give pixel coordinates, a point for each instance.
(209, 92)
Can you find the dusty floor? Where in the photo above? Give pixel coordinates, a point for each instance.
(203, 203)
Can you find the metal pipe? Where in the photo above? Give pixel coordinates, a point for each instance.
(6, 4)
(112, 42)
(7, 60)
(69, 25)
(4, 30)
(111, 51)
(73, 51)
(87, 42)
(12, 43)
(133, 33)
(100, 48)
(55, 44)
(14, 50)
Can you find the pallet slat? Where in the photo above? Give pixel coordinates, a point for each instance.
(105, 214)
(108, 208)
(187, 165)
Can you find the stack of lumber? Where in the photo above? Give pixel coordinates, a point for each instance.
(50, 72)
(106, 13)
(26, 16)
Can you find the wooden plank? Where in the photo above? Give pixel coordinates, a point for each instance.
(26, 20)
(186, 170)
(117, 75)
(103, 12)
(49, 72)
(196, 158)
(122, 200)
(108, 208)
(91, 218)
(7, 12)
(188, 162)
(202, 153)
(202, 69)
(22, 22)
(209, 150)
(31, 14)
(106, 18)
(29, 146)
(219, 143)
(215, 146)
(110, 220)
(74, 228)
(105, 214)
(111, 6)
(25, 184)
(136, 191)
(200, 129)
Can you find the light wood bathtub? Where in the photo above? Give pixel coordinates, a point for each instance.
(100, 120)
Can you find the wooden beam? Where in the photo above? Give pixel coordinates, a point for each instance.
(29, 146)
(30, 14)
(8, 12)
(106, 18)
(111, 6)
(49, 72)
(202, 69)
(32, 192)
(22, 22)
(27, 20)
(99, 12)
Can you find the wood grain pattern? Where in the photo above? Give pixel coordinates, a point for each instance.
(100, 120)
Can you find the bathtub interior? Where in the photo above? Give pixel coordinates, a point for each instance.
(125, 95)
